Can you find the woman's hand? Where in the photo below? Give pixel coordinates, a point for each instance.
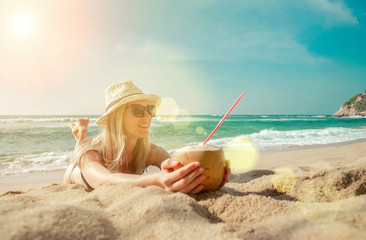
(186, 179)
(226, 176)
(80, 128)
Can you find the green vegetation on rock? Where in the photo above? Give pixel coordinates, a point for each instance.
(352, 99)
(360, 106)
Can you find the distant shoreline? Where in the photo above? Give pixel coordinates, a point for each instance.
(314, 146)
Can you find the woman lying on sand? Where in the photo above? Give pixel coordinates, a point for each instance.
(123, 151)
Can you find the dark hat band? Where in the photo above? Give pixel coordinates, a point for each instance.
(119, 99)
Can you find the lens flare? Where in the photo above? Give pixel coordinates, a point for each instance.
(284, 180)
(200, 130)
(319, 201)
(242, 155)
(184, 121)
(23, 25)
(167, 110)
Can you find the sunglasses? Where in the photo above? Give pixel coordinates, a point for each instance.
(139, 110)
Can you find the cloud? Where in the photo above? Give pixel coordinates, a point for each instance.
(327, 12)
(275, 47)
(265, 46)
(333, 12)
(252, 45)
(215, 30)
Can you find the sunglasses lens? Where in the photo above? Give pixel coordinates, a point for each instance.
(139, 110)
(151, 110)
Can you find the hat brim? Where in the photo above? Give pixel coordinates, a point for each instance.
(152, 98)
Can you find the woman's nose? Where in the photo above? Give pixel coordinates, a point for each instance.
(146, 115)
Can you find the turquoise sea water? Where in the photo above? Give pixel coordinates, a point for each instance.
(45, 143)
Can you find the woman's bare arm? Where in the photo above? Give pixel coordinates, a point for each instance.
(186, 179)
(96, 174)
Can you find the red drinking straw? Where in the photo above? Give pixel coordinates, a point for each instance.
(218, 125)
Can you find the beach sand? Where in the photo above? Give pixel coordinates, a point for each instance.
(315, 193)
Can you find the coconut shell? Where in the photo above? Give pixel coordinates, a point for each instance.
(211, 159)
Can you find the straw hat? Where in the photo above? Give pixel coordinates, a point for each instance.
(122, 93)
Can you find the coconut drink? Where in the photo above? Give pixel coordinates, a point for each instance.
(211, 159)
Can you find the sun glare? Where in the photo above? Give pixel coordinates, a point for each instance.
(22, 25)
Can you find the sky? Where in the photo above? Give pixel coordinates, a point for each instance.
(289, 56)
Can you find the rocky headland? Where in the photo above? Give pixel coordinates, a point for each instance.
(355, 106)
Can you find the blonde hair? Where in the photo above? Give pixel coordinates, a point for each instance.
(110, 144)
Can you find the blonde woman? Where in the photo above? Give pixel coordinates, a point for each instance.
(122, 151)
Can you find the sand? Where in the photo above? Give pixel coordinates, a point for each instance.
(304, 194)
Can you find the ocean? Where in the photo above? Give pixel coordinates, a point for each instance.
(30, 144)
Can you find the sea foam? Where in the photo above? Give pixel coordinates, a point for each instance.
(269, 139)
(32, 163)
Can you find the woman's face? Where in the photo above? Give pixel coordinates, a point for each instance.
(136, 127)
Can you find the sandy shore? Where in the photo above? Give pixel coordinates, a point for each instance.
(305, 194)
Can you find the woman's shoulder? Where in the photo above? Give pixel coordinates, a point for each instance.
(93, 154)
(156, 149)
(89, 143)
(157, 154)
(85, 149)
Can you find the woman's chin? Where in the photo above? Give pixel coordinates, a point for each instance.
(144, 132)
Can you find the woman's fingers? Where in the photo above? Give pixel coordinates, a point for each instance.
(197, 189)
(82, 133)
(80, 128)
(183, 171)
(184, 179)
(74, 130)
(226, 176)
(71, 125)
(224, 181)
(168, 164)
(188, 182)
(195, 183)
(227, 173)
(84, 122)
